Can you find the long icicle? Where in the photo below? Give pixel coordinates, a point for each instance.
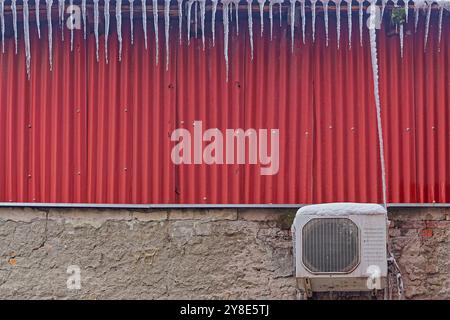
(167, 29)
(402, 37)
(14, 14)
(225, 9)
(96, 17)
(213, 20)
(195, 18)
(406, 4)
(2, 17)
(325, 10)
(180, 18)
(427, 25)
(373, 50)
(313, 22)
(155, 27)
(349, 22)
(189, 9)
(303, 13)
(38, 18)
(261, 14)
(144, 21)
(441, 13)
(131, 2)
(292, 20)
(416, 16)
(271, 2)
(83, 13)
(61, 7)
(119, 26)
(250, 26)
(236, 3)
(202, 20)
(26, 33)
(71, 27)
(338, 22)
(107, 18)
(49, 27)
(361, 16)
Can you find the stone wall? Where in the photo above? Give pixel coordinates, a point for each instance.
(203, 254)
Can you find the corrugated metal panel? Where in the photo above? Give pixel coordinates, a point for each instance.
(345, 154)
(43, 122)
(100, 133)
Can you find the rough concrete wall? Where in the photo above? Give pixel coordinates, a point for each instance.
(203, 254)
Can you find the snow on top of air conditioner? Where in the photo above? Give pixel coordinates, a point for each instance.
(342, 208)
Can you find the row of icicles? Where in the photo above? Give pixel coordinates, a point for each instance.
(200, 5)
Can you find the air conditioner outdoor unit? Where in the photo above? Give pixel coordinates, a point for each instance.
(340, 247)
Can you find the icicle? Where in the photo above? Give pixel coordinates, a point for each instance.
(302, 8)
(2, 18)
(383, 7)
(180, 17)
(236, 3)
(338, 22)
(406, 3)
(83, 13)
(144, 21)
(107, 18)
(202, 20)
(131, 2)
(96, 14)
(166, 29)
(271, 17)
(213, 20)
(189, 8)
(226, 5)
(402, 36)
(26, 33)
(38, 18)
(61, 5)
(280, 8)
(250, 25)
(195, 18)
(416, 16)
(313, 12)
(349, 19)
(271, 5)
(155, 26)
(427, 25)
(72, 27)
(261, 14)
(361, 16)
(119, 26)
(14, 14)
(292, 13)
(441, 12)
(374, 59)
(50, 40)
(325, 10)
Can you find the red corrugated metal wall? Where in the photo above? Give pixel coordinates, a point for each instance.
(91, 132)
